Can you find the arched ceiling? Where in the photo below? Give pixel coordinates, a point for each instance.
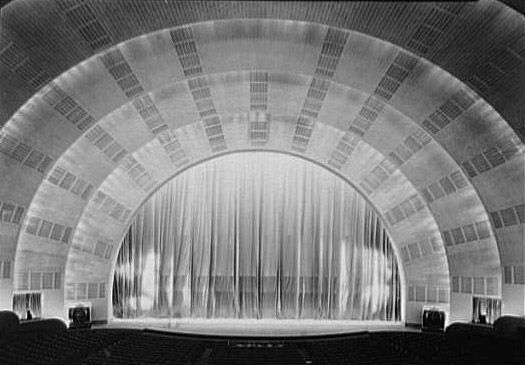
(479, 43)
(418, 105)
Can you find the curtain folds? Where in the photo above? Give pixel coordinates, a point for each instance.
(27, 301)
(485, 310)
(257, 235)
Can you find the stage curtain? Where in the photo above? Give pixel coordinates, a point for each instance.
(27, 301)
(489, 308)
(257, 235)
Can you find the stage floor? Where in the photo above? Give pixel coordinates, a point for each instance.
(256, 327)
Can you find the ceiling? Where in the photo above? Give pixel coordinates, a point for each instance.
(418, 105)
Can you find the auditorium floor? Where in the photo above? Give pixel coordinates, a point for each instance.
(257, 328)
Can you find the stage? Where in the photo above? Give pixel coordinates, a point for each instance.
(256, 327)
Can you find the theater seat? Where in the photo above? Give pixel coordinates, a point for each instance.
(42, 326)
(8, 323)
(510, 327)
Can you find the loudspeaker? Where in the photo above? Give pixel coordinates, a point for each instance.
(433, 320)
(80, 317)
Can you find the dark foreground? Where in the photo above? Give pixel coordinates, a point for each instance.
(129, 346)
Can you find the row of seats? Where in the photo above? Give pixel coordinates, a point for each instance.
(68, 347)
(225, 356)
(461, 343)
(158, 349)
(146, 348)
(467, 343)
(502, 343)
(126, 346)
(423, 347)
(368, 349)
(11, 327)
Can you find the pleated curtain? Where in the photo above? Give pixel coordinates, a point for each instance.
(257, 235)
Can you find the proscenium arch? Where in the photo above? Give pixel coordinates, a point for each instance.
(88, 231)
(41, 201)
(331, 170)
(333, 83)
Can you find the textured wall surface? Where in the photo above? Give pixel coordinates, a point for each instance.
(420, 106)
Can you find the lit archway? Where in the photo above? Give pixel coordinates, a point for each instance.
(257, 235)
